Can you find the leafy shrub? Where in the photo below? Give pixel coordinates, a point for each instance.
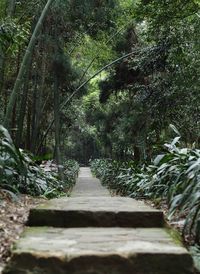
(174, 176)
(19, 173)
(12, 162)
(71, 169)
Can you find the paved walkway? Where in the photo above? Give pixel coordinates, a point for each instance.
(88, 186)
(93, 233)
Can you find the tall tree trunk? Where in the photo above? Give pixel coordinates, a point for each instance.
(28, 129)
(23, 106)
(2, 67)
(38, 106)
(24, 65)
(34, 106)
(22, 112)
(57, 127)
(11, 7)
(9, 11)
(140, 150)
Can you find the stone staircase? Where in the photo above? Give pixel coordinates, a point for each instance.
(93, 233)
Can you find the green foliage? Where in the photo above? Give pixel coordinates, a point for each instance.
(156, 86)
(173, 176)
(93, 15)
(161, 15)
(19, 173)
(13, 35)
(12, 160)
(71, 169)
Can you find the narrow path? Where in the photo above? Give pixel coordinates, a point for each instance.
(93, 233)
(88, 186)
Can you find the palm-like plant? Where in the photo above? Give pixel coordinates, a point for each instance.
(173, 176)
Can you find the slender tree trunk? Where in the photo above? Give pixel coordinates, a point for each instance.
(28, 129)
(23, 105)
(9, 11)
(38, 107)
(11, 7)
(2, 67)
(57, 127)
(24, 65)
(22, 112)
(33, 108)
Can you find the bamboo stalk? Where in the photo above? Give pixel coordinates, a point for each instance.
(23, 67)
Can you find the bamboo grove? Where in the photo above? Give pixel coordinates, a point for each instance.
(85, 79)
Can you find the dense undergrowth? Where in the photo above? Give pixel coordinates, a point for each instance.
(20, 174)
(173, 176)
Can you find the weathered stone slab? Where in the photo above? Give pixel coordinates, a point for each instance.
(95, 212)
(85, 172)
(98, 251)
(87, 186)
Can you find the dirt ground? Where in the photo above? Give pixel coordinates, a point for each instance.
(13, 215)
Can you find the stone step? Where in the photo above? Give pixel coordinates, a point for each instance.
(87, 185)
(98, 251)
(91, 187)
(95, 212)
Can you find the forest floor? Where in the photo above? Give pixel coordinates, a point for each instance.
(13, 215)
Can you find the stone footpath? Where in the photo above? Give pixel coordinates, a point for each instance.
(93, 233)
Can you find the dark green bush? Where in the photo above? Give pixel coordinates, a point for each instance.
(20, 174)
